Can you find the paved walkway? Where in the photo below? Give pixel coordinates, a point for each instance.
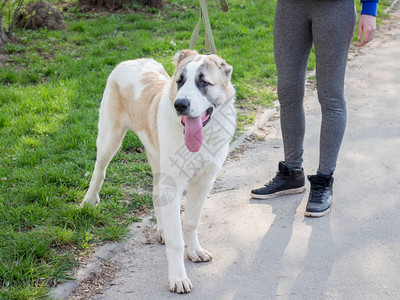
(268, 249)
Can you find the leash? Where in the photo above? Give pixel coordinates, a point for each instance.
(209, 43)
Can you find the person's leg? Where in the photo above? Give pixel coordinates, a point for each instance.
(333, 26)
(292, 46)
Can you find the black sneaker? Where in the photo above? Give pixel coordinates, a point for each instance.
(287, 181)
(321, 196)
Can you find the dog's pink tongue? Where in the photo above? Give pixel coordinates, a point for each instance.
(193, 134)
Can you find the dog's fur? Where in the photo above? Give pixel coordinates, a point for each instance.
(141, 96)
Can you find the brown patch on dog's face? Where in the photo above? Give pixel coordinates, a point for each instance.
(181, 59)
(183, 55)
(226, 70)
(217, 72)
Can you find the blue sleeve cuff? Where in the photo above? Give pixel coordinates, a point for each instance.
(369, 8)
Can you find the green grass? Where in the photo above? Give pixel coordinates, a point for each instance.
(50, 93)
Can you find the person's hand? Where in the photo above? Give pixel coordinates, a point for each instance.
(366, 29)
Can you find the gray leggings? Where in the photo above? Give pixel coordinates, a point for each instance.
(329, 24)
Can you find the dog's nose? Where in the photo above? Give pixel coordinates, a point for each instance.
(181, 105)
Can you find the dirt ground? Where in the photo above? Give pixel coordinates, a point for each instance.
(268, 249)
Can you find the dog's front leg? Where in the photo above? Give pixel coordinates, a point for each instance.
(196, 196)
(170, 226)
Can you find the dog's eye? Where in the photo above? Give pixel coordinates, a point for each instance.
(180, 81)
(204, 83)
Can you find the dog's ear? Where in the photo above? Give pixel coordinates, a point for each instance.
(183, 54)
(225, 68)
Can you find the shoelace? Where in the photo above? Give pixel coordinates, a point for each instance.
(277, 177)
(317, 193)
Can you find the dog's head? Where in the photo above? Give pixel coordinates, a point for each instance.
(201, 85)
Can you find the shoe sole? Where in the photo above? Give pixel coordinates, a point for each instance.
(278, 194)
(317, 214)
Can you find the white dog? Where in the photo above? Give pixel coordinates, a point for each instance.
(185, 123)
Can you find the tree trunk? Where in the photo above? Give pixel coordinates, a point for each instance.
(3, 37)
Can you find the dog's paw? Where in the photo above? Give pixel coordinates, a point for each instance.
(180, 286)
(198, 255)
(159, 235)
(93, 201)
